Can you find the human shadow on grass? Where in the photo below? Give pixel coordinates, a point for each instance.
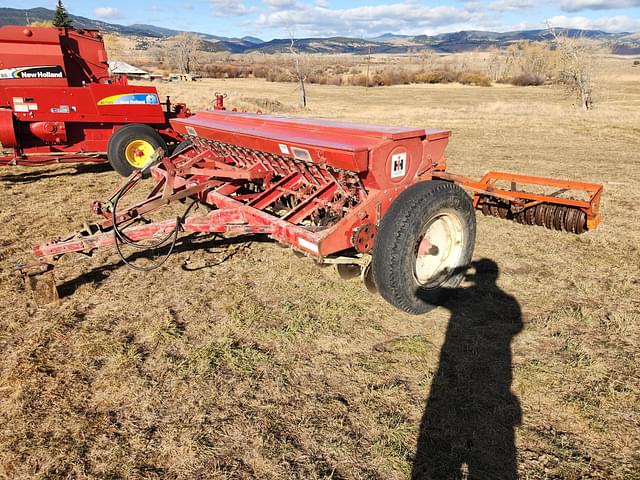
(468, 426)
(36, 174)
(187, 243)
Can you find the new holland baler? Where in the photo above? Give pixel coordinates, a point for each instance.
(372, 200)
(59, 103)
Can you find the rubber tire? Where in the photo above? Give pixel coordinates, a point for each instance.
(123, 137)
(394, 250)
(182, 146)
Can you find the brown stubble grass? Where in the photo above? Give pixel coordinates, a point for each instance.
(267, 366)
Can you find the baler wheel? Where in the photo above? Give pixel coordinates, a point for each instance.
(424, 245)
(132, 146)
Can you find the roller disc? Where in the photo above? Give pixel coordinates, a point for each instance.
(539, 215)
(559, 218)
(367, 278)
(348, 271)
(530, 216)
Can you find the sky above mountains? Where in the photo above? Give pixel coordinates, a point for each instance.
(357, 18)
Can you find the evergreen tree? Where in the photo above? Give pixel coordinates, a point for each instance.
(61, 17)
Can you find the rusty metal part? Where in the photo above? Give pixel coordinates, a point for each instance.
(348, 271)
(556, 211)
(364, 236)
(553, 217)
(367, 277)
(38, 278)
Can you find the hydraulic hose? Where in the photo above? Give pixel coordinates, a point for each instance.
(120, 237)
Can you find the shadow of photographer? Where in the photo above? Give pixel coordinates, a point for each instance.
(468, 426)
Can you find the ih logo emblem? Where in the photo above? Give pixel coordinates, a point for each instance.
(398, 165)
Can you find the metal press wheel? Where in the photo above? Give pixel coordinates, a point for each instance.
(132, 146)
(424, 245)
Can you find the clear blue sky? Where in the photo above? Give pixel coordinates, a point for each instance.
(366, 18)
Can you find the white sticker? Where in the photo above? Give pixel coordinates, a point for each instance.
(398, 165)
(191, 131)
(18, 100)
(60, 109)
(32, 106)
(307, 245)
(21, 107)
(283, 148)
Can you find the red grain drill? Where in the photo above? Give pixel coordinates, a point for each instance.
(372, 200)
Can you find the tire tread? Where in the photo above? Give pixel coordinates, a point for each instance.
(404, 216)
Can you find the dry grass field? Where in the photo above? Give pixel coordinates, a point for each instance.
(238, 359)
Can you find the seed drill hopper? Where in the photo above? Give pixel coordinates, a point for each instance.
(374, 201)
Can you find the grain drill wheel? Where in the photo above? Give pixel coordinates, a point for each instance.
(348, 271)
(131, 147)
(181, 147)
(424, 244)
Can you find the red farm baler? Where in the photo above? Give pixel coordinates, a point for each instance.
(59, 103)
(377, 201)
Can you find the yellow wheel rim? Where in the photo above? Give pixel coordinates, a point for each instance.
(138, 153)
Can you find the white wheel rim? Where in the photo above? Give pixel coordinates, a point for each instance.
(439, 250)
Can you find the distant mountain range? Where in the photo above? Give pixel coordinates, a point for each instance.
(621, 43)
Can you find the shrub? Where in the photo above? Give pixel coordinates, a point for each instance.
(376, 80)
(317, 78)
(359, 80)
(324, 78)
(336, 74)
(396, 77)
(279, 75)
(526, 80)
(260, 71)
(334, 80)
(474, 78)
(212, 70)
(339, 69)
(44, 23)
(231, 71)
(636, 63)
(435, 76)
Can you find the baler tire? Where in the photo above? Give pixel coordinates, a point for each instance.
(123, 138)
(401, 230)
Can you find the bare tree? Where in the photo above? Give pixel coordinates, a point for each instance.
(299, 73)
(368, 65)
(501, 62)
(428, 58)
(532, 62)
(185, 48)
(576, 64)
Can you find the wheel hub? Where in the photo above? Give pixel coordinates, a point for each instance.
(138, 153)
(438, 250)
